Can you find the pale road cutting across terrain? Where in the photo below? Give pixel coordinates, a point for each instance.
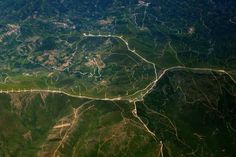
(129, 98)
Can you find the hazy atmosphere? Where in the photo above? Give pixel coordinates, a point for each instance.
(117, 78)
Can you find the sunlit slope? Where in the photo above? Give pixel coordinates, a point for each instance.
(50, 125)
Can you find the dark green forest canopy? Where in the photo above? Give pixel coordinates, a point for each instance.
(117, 78)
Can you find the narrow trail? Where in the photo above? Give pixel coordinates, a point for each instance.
(129, 98)
(151, 86)
(72, 125)
(135, 113)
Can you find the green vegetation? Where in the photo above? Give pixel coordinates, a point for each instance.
(30, 126)
(136, 78)
(194, 114)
